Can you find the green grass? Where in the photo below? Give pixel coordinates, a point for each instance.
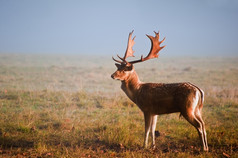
(44, 115)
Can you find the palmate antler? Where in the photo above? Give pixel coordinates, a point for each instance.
(129, 51)
(155, 48)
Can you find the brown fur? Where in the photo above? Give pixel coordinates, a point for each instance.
(160, 98)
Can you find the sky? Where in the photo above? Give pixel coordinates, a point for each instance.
(191, 27)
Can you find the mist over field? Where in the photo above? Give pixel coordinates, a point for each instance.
(92, 73)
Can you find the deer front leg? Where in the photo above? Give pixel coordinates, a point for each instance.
(153, 127)
(148, 120)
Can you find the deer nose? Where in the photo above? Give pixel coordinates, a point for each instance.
(112, 76)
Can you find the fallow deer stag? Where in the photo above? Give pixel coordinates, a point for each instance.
(159, 98)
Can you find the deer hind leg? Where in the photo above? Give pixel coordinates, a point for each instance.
(199, 117)
(153, 127)
(192, 119)
(148, 121)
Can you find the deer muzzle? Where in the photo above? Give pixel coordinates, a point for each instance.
(112, 76)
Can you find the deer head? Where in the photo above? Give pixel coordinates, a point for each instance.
(123, 72)
(125, 68)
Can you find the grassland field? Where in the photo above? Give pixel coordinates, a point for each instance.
(68, 106)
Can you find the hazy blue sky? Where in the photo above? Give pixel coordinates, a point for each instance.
(191, 27)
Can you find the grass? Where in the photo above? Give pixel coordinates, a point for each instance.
(59, 107)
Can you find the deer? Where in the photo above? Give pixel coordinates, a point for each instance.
(155, 99)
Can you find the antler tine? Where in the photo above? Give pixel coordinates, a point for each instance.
(116, 60)
(155, 48)
(121, 58)
(129, 51)
(157, 36)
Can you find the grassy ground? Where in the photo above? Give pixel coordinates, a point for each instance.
(67, 106)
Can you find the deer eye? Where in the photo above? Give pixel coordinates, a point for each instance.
(129, 68)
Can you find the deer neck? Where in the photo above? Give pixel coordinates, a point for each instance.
(131, 86)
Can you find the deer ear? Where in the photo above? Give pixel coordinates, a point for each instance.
(118, 65)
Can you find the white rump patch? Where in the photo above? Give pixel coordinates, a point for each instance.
(195, 100)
